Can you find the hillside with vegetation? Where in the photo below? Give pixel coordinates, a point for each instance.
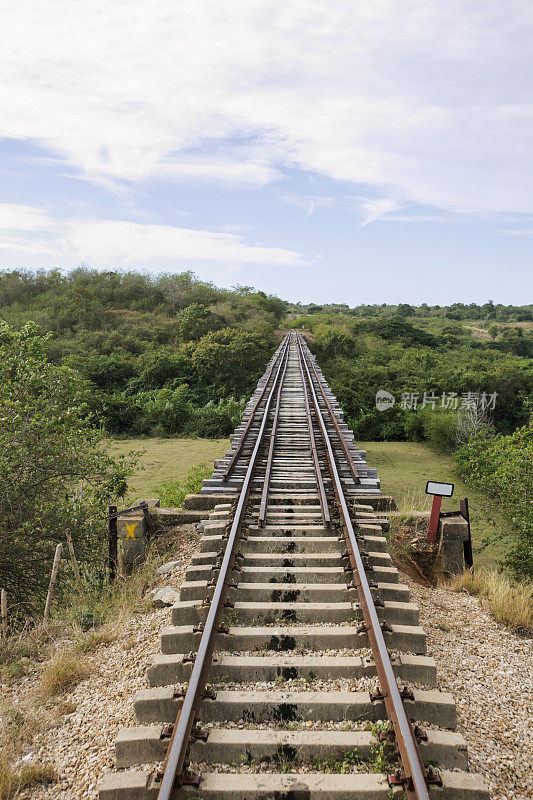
(170, 355)
(409, 352)
(161, 356)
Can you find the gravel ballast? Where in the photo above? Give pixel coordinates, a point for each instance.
(487, 669)
(81, 748)
(489, 672)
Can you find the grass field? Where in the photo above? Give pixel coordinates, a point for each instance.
(404, 468)
(166, 458)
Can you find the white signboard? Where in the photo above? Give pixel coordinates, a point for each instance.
(440, 489)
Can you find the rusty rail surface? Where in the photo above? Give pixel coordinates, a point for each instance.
(414, 773)
(174, 768)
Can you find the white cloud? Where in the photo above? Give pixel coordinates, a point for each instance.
(17, 217)
(28, 230)
(440, 219)
(373, 209)
(226, 171)
(105, 242)
(308, 202)
(425, 101)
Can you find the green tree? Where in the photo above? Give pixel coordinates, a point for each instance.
(227, 361)
(193, 322)
(502, 467)
(54, 474)
(170, 410)
(405, 310)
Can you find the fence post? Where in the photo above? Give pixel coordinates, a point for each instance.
(467, 544)
(3, 605)
(53, 576)
(113, 542)
(147, 518)
(73, 559)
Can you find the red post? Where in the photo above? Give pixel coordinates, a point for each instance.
(434, 518)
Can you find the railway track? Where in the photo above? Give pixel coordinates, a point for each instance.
(294, 666)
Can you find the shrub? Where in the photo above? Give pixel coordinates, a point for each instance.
(379, 425)
(172, 492)
(502, 467)
(53, 472)
(226, 361)
(170, 409)
(440, 429)
(215, 420)
(193, 322)
(414, 427)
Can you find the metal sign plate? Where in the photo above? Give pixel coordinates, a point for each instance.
(440, 489)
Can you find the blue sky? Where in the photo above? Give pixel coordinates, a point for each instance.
(329, 152)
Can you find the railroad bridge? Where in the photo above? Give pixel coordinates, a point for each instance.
(294, 666)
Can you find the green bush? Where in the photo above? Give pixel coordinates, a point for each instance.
(379, 426)
(215, 420)
(54, 474)
(132, 336)
(414, 426)
(193, 322)
(170, 409)
(172, 492)
(440, 429)
(502, 467)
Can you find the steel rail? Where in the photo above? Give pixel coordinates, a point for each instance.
(173, 768)
(413, 767)
(324, 505)
(268, 470)
(231, 466)
(343, 442)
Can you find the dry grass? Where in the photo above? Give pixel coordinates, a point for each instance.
(509, 603)
(59, 650)
(8, 779)
(104, 607)
(32, 774)
(13, 781)
(127, 596)
(22, 650)
(410, 500)
(66, 669)
(19, 724)
(94, 638)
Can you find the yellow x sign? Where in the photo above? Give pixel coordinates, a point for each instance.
(131, 528)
